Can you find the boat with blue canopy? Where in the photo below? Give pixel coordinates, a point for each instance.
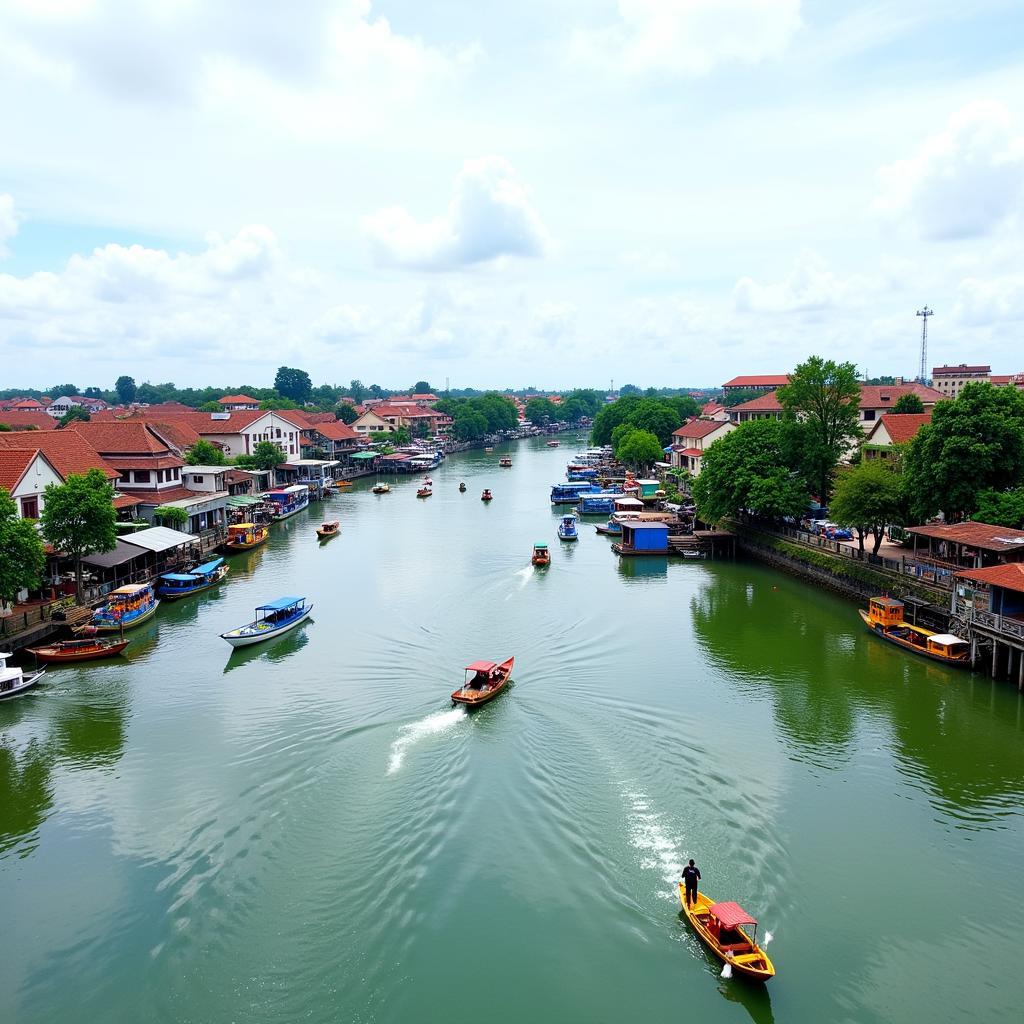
(286, 501)
(126, 607)
(567, 528)
(173, 585)
(569, 493)
(599, 502)
(272, 619)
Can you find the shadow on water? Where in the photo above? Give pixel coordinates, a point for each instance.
(646, 568)
(276, 650)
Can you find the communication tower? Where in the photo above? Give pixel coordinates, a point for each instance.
(924, 314)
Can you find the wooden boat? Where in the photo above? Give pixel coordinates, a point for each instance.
(486, 496)
(884, 618)
(427, 482)
(487, 681)
(277, 617)
(342, 483)
(721, 928)
(541, 555)
(329, 529)
(424, 492)
(126, 607)
(462, 488)
(245, 537)
(174, 585)
(567, 528)
(612, 528)
(553, 444)
(488, 449)
(381, 488)
(13, 680)
(79, 650)
(505, 461)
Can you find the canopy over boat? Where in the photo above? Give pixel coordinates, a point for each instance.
(482, 666)
(279, 605)
(540, 545)
(946, 639)
(131, 589)
(179, 577)
(731, 915)
(207, 567)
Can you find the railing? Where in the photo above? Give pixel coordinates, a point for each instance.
(989, 620)
(20, 621)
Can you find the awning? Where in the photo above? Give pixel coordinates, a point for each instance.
(281, 602)
(207, 567)
(397, 457)
(243, 501)
(482, 666)
(161, 538)
(123, 552)
(732, 915)
(364, 455)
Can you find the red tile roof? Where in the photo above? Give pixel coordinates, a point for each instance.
(19, 419)
(768, 402)
(693, 452)
(126, 501)
(977, 535)
(13, 464)
(67, 451)
(144, 461)
(337, 431)
(238, 400)
(959, 371)
(1010, 576)
(176, 431)
(698, 428)
(121, 437)
(774, 380)
(903, 427)
(875, 396)
(153, 497)
(318, 417)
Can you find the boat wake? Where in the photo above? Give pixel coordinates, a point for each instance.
(438, 722)
(657, 851)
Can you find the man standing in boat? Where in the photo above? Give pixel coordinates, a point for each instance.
(691, 876)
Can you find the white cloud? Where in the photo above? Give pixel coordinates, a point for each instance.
(963, 182)
(8, 222)
(808, 288)
(344, 323)
(980, 302)
(554, 320)
(689, 37)
(490, 215)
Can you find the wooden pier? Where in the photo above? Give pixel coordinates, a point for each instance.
(709, 543)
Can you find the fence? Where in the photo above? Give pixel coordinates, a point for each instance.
(18, 622)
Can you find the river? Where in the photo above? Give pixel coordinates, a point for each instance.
(308, 832)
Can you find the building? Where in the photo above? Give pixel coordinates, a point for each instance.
(60, 406)
(25, 475)
(950, 380)
(764, 407)
(968, 545)
(892, 429)
(238, 403)
(991, 603)
(714, 411)
(876, 400)
(756, 382)
(692, 440)
(27, 419)
(147, 465)
(336, 440)
(370, 423)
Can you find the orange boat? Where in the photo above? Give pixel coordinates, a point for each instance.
(487, 681)
(79, 650)
(541, 555)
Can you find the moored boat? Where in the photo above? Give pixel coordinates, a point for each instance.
(505, 461)
(245, 537)
(567, 528)
(424, 492)
(272, 619)
(486, 496)
(884, 618)
(541, 555)
(721, 928)
(612, 528)
(329, 529)
(174, 585)
(13, 680)
(569, 493)
(286, 501)
(126, 607)
(342, 483)
(79, 650)
(553, 444)
(381, 488)
(487, 681)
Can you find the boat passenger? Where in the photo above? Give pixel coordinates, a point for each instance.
(691, 876)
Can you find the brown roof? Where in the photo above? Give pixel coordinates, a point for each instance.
(67, 451)
(126, 501)
(1010, 576)
(13, 464)
(959, 371)
(774, 380)
(337, 431)
(318, 417)
(176, 431)
(121, 437)
(238, 400)
(976, 535)
(763, 403)
(143, 461)
(154, 497)
(19, 419)
(902, 427)
(698, 428)
(876, 396)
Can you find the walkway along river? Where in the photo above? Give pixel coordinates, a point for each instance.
(308, 831)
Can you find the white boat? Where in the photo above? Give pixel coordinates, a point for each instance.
(277, 617)
(12, 680)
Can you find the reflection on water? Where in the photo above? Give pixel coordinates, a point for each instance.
(645, 568)
(276, 650)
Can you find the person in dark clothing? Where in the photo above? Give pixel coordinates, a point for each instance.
(691, 876)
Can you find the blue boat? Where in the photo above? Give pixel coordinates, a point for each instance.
(127, 606)
(272, 619)
(172, 585)
(288, 500)
(612, 527)
(567, 528)
(577, 473)
(569, 494)
(600, 502)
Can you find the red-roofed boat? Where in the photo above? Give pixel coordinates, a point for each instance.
(721, 928)
(488, 679)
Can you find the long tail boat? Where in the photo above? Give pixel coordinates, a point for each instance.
(721, 928)
(329, 529)
(487, 681)
(79, 650)
(541, 555)
(884, 618)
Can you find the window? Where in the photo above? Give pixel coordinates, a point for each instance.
(197, 479)
(869, 414)
(30, 507)
(278, 431)
(142, 476)
(125, 477)
(176, 475)
(159, 476)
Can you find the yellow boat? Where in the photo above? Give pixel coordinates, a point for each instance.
(245, 537)
(720, 927)
(884, 618)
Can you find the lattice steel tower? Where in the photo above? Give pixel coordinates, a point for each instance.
(924, 314)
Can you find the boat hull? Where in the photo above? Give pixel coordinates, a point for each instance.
(23, 684)
(242, 546)
(754, 965)
(248, 639)
(877, 630)
(56, 655)
(115, 627)
(177, 595)
(470, 698)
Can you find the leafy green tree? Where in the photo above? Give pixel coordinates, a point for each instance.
(204, 453)
(629, 389)
(500, 413)
(745, 471)
(972, 445)
(685, 406)
(657, 416)
(63, 391)
(356, 391)
(1001, 508)
(541, 411)
(23, 553)
(825, 395)
(639, 448)
(345, 412)
(421, 387)
(908, 403)
(265, 455)
(126, 390)
(468, 424)
(278, 403)
(4, 428)
(79, 518)
(211, 407)
(294, 384)
(610, 416)
(731, 398)
(171, 515)
(868, 497)
(75, 414)
(325, 396)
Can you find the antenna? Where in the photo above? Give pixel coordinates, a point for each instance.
(924, 314)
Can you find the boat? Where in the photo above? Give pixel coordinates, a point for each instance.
(79, 650)
(381, 488)
(427, 482)
(613, 527)
(14, 681)
(245, 536)
(174, 585)
(342, 483)
(126, 607)
(541, 555)
(567, 528)
(462, 488)
(277, 617)
(486, 496)
(487, 681)
(329, 529)
(553, 444)
(721, 928)
(884, 618)
(488, 449)
(599, 502)
(424, 492)
(288, 500)
(505, 461)
(693, 555)
(570, 493)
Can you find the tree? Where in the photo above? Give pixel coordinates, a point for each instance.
(204, 453)
(171, 515)
(278, 403)
(63, 391)
(23, 553)
(265, 455)
(639, 448)
(211, 407)
(541, 411)
(75, 414)
(125, 388)
(731, 398)
(346, 413)
(79, 518)
(908, 403)
(1001, 508)
(629, 389)
(972, 445)
(868, 497)
(356, 390)
(825, 395)
(421, 387)
(746, 471)
(294, 384)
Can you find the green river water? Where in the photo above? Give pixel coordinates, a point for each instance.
(308, 832)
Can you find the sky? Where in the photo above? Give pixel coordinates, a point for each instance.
(550, 194)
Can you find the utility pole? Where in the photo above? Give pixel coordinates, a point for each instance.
(924, 314)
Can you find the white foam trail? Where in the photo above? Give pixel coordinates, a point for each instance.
(727, 971)
(438, 722)
(768, 936)
(660, 853)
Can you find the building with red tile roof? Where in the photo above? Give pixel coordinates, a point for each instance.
(239, 402)
(67, 451)
(891, 429)
(19, 419)
(757, 382)
(973, 545)
(692, 440)
(25, 474)
(146, 462)
(951, 380)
